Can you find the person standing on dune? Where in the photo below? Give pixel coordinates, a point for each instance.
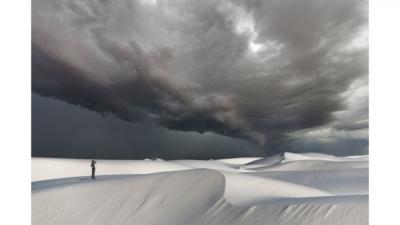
(93, 169)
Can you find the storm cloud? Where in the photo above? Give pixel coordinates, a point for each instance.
(265, 71)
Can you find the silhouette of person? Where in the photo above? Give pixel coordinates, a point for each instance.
(93, 169)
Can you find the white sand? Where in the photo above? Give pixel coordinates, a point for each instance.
(289, 189)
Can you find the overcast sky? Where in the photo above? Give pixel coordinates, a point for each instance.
(199, 79)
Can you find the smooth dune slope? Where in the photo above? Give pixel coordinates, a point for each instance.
(151, 199)
(283, 189)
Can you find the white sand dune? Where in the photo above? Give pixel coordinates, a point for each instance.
(283, 189)
(288, 156)
(46, 168)
(337, 182)
(248, 190)
(239, 161)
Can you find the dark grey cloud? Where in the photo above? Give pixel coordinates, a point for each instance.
(266, 71)
(65, 130)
